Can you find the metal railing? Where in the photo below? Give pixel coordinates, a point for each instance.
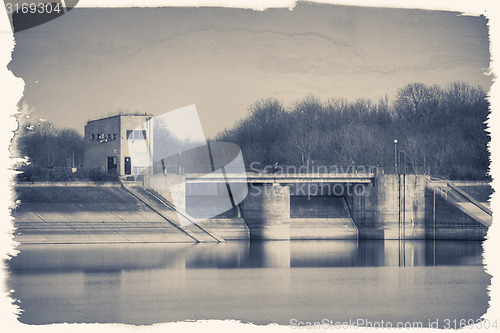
(254, 168)
(266, 169)
(294, 169)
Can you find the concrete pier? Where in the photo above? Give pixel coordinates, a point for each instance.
(266, 210)
(391, 208)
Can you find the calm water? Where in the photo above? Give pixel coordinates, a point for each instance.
(258, 282)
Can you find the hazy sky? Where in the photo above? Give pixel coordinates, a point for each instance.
(91, 62)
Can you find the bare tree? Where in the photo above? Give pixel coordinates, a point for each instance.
(49, 146)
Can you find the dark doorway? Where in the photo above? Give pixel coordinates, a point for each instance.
(112, 164)
(128, 166)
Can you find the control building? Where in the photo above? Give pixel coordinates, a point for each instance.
(107, 144)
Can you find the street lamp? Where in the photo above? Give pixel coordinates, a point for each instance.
(396, 155)
(149, 142)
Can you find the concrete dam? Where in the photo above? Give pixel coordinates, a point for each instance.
(277, 207)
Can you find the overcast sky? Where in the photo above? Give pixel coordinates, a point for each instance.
(91, 62)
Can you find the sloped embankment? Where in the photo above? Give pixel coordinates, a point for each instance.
(87, 213)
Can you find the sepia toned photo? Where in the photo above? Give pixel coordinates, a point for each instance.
(316, 166)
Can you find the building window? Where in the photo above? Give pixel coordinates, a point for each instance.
(136, 135)
(102, 138)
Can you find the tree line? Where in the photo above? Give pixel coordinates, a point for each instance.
(48, 146)
(443, 128)
(52, 153)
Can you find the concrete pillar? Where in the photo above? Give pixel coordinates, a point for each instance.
(364, 212)
(393, 208)
(414, 206)
(266, 210)
(388, 205)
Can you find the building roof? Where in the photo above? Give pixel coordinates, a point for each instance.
(121, 115)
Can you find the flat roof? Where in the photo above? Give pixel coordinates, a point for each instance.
(121, 115)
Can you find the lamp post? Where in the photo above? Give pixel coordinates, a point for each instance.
(396, 155)
(399, 198)
(149, 142)
(402, 165)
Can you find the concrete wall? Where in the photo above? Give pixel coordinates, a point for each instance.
(266, 210)
(171, 187)
(318, 207)
(445, 221)
(323, 228)
(321, 217)
(95, 153)
(233, 228)
(393, 207)
(207, 200)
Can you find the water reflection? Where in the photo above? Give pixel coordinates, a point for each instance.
(365, 253)
(258, 282)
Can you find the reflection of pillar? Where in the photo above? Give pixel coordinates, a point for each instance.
(273, 255)
(415, 253)
(404, 253)
(392, 253)
(371, 253)
(266, 210)
(270, 254)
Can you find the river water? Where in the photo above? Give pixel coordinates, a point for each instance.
(363, 282)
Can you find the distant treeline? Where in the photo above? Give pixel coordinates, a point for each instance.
(49, 146)
(443, 128)
(52, 153)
